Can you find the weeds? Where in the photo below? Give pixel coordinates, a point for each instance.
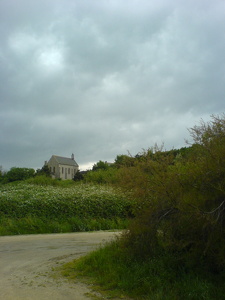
(111, 269)
(175, 246)
(34, 207)
(35, 225)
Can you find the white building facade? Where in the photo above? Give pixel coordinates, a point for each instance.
(62, 167)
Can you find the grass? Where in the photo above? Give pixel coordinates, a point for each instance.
(35, 225)
(44, 205)
(112, 270)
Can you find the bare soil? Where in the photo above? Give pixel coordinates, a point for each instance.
(27, 263)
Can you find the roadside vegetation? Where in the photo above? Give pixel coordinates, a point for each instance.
(170, 203)
(174, 248)
(43, 205)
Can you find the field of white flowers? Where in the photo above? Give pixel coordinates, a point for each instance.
(19, 200)
(82, 203)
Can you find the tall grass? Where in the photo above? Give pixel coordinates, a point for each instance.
(111, 269)
(35, 225)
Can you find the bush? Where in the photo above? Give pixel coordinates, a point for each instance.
(102, 176)
(43, 171)
(181, 200)
(79, 176)
(16, 174)
(101, 165)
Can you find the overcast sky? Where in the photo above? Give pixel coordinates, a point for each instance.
(99, 78)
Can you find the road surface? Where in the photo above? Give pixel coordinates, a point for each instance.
(27, 263)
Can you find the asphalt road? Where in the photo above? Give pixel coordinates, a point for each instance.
(27, 263)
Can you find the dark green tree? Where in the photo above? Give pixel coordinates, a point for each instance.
(16, 174)
(1, 174)
(79, 176)
(43, 171)
(101, 165)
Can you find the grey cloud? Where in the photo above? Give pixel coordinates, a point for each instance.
(103, 78)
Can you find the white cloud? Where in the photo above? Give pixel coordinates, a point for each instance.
(51, 59)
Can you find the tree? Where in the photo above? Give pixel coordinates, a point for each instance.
(15, 174)
(1, 173)
(101, 165)
(43, 171)
(124, 161)
(79, 175)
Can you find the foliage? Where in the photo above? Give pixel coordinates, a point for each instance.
(105, 173)
(49, 181)
(43, 198)
(101, 165)
(35, 225)
(81, 200)
(43, 171)
(17, 174)
(106, 176)
(101, 173)
(1, 174)
(78, 176)
(175, 247)
(111, 269)
(124, 161)
(44, 180)
(182, 203)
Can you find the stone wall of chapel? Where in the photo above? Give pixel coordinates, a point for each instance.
(54, 168)
(67, 172)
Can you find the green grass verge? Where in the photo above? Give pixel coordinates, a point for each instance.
(35, 225)
(113, 271)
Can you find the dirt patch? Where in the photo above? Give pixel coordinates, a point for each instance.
(27, 262)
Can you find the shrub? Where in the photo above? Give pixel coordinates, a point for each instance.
(181, 201)
(43, 171)
(102, 176)
(101, 165)
(16, 174)
(78, 176)
(43, 180)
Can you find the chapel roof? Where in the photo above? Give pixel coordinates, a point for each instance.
(65, 160)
